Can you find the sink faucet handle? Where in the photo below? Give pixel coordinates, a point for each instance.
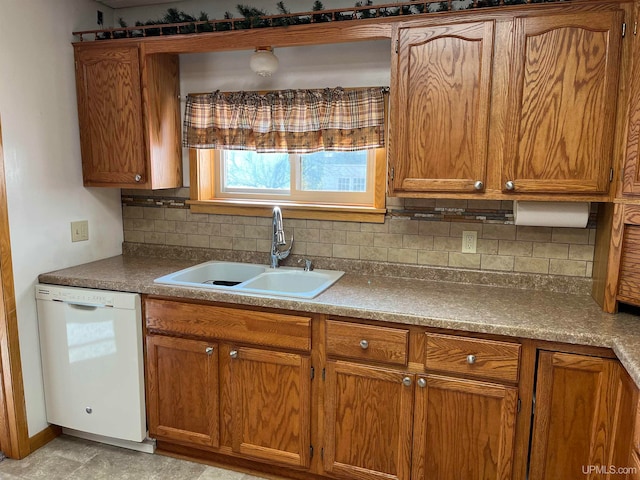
(308, 265)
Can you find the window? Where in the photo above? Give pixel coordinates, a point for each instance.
(306, 150)
(338, 178)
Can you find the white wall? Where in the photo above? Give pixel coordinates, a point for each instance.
(42, 162)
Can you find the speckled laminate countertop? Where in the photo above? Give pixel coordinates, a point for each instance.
(540, 315)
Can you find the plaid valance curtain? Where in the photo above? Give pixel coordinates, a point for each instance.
(293, 121)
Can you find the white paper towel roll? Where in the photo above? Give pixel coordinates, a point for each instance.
(551, 214)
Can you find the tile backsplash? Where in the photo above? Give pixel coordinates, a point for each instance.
(416, 231)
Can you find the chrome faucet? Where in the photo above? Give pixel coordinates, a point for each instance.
(278, 239)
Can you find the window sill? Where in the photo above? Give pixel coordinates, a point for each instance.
(302, 211)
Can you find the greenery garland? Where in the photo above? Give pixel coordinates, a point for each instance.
(254, 18)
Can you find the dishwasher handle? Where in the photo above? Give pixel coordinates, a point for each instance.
(83, 306)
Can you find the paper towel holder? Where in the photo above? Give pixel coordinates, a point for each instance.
(551, 214)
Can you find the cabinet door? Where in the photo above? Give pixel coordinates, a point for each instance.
(441, 114)
(368, 415)
(271, 398)
(562, 103)
(464, 429)
(631, 178)
(576, 404)
(110, 116)
(182, 390)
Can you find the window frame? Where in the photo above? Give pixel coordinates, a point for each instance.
(203, 179)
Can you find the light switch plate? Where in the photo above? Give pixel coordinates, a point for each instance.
(469, 241)
(80, 231)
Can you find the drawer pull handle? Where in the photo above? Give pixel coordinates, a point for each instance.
(208, 350)
(509, 185)
(233, 354)
(471, 359)
(364, 344)
(422, 382)
(406, 381)
(478, 185)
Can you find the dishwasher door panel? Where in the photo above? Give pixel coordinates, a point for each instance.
(93, 368)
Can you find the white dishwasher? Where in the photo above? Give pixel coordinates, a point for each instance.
(92, 361)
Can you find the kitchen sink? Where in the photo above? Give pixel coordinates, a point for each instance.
(256, 279)
(292, 282)
(213, 274)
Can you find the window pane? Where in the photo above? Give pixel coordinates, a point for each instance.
(259, 171)
(334, 171)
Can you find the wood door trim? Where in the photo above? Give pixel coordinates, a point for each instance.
(14, 432)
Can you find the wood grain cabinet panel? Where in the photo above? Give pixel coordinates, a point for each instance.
(575, 420)
(631, 176)
(562, 113)
(271, 402)
(464, 429)
(367, 342)
(441, 112)
(182, 390)
(129, 117)
(368, 422)
(110, 113)
(629, 274)
(473, 357)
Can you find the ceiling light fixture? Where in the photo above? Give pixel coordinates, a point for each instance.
(264, 62)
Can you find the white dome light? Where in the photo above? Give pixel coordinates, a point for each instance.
(264, 62)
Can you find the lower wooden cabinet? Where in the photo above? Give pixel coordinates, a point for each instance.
(368, 422)
(271, 400)
(386, 402)
(577, 415)
(182, 390)
(463, 429)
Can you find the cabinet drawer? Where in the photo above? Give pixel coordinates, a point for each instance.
(367, 342)
(230, 324)
(473, 357)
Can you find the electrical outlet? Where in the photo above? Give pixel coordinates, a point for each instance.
(80, 231)
(469, 241)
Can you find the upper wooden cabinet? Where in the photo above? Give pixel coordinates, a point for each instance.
(129, 116)
(521, 106)
(631, 176)
(562, 103)
(441, 109)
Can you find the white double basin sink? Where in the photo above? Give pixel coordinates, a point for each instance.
(254, 279)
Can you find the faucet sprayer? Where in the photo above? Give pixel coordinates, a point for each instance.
(278, 239)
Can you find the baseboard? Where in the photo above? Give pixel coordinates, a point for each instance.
(40, 439)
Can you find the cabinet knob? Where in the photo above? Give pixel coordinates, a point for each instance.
(406, 381)
(138, 177)
(233, 354)
(422, 382)
(509, 185)
(89, 410)
(478, 185)
(364, 344)
(471, 359)
(208, 350)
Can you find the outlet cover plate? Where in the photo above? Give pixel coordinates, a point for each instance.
(80, 231)
(469, 241)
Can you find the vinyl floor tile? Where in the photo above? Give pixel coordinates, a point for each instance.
(70, 458)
